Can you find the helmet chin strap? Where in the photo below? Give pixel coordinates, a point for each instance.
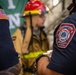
(28, 38)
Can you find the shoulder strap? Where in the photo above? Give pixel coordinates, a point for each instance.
(23, 31)
(26, 41)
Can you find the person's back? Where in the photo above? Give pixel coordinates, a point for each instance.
(8, 56)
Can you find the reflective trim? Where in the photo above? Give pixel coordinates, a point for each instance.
(33, 12)
(32, 54)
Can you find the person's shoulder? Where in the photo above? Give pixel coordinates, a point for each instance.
(71, 19)
(3, 15)
(72, 16)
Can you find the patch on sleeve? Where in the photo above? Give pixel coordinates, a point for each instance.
(64, 34)
(2, 14)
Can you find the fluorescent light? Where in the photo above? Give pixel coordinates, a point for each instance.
(55, 2)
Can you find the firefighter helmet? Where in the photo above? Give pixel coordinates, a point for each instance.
(34, 7)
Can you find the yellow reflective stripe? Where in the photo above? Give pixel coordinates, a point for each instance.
(32, 54)
(32, 12)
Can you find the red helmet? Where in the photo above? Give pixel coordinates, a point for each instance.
(34, 7)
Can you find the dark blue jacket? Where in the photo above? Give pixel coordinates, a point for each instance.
(63, 59)
(8, 56)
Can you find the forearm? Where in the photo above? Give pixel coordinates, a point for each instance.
(42, 67)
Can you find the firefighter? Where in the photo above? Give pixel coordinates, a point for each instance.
(9, 62)
(30, 39)
(63, 60)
